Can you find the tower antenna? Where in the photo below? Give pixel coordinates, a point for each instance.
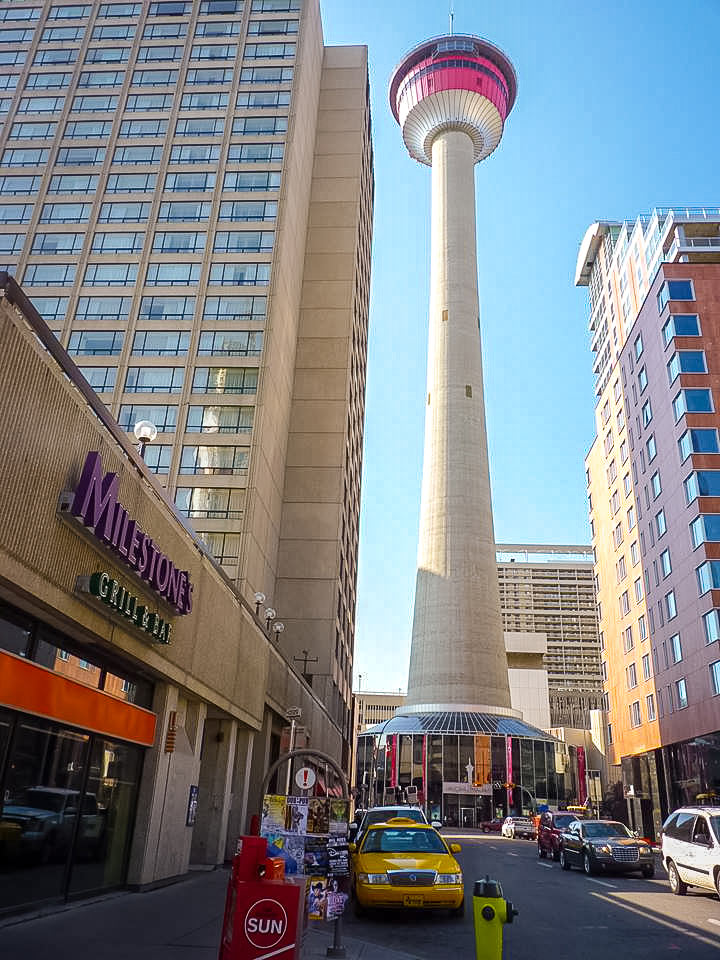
(452, 17)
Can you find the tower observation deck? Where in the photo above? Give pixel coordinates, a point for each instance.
(451, 96)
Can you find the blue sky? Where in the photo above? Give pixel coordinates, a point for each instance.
(617, 113)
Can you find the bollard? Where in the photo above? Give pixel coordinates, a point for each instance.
(490, 912)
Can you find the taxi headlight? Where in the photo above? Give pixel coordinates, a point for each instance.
(449, 878)
(373, 878)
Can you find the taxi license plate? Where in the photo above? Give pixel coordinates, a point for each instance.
(413, 901)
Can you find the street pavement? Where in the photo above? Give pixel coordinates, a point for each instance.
(564, 915)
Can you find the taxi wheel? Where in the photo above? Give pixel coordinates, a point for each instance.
(677, 886)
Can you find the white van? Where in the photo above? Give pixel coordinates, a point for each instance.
(691, 849)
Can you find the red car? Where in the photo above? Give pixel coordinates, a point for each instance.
(550, 830)
(491, 826)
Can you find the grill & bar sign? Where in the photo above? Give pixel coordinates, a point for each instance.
(115, 595)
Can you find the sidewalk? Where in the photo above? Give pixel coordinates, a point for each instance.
(178, 922)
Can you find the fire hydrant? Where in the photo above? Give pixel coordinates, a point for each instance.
(491, 911)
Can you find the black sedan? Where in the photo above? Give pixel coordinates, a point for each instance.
(605, 845)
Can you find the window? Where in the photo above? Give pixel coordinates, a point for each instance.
(261, 99)
(92, 343)
(90, 104)
(86, 130)
(214, 51)
(49, 274)
(158, 54)
(143, 128)
(80, 156)
(101, 379)
(131, 183)
(686, 361)
(646, 666)
(698, 441)
(623, 451)
(200, 127)
(631, 676)
(628, 639)
(12, 243)
(711, 626)
(610, 734)
(631, 519)
(16, 212)
(24, 157)
(154, 380)
(651, 448)
(210, 503)
(107, 55)
(8, 14)
(41, 81)
(176, 9)
(137, 155)
(12, 186)
(655, 484)
(41, 105)
(254, 126)
(204, 101)
(51, 309)
(618, 535)
(178, 242)
(120, 31)
(161, 343)
(275, 6)
(604, 669)
(634, 553)
(73, 12)
(650, 706)
(167, 308)
(675, 290)
(148, 101)
(267, 180)
(65, 213)
(53, 56)
(705, 529)
(189, 182)
(248, 210)
(57, 242)
(247, 241)
(605, 702)
(154, 78)
(624, 603)
(18, 36)
(241, 380)
(208, 76)
(123, 212)
(110, 274)
(638, 590)
(118, 242)
(172, 274)
(665, 564)
(157, 457)
(255, 152)
(194, 153)
(676, 648)
(162, 415)
(670, 605)
(660, 523)
(266, 75)
(708, 576)
(104, 78)
(219, 419)
(119, 10)
(225, 547)
(157, 31)
(183, 211)
(646, 413)
(234, 308)
(9, 81)
(681, 690)
(692, 401)
(214, 460)
(638, 345)
(230, 343)
(260, 27)
(217, 28)
(635, 716)
(269, 51)
(103, 308)
(681, 325)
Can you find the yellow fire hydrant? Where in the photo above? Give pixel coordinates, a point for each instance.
(491, 911)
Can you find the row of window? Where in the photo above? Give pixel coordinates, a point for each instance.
(195, 76)
(166, 343)
(221, 274)
(164, 8)
(85, 184)
(152, 31)
(235, 211)
(155, 102)
(178, 308)
(158, 274)
(140, 155)
(230, 380)
(64, 56)
(200, 419)
(199, 460)
(191, 127)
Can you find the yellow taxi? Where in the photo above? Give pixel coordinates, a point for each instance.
(403, 863)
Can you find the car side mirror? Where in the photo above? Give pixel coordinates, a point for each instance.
(352, 848)
(437, 824)
(455, 848)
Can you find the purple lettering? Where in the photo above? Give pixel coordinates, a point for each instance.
(162, 574)
(143, 559)
(122, 545)
(173, 585)
(133, 542)
(189, 601)
(150, 572)
(96, 497)
(182, 586)
(120, 514)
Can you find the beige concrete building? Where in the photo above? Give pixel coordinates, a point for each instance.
(186, 196)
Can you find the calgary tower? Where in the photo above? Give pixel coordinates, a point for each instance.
(451, 96)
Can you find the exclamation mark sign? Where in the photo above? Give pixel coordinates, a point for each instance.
(305, 779)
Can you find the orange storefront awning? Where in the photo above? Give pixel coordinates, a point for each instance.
(34, 689)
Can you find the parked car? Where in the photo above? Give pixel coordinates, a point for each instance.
(691, 849)
(404, 863)
(382, 815)
(550, 831)
(518, 827)
(605, 845)
(492, 826)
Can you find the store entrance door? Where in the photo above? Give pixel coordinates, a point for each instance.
(467, 816)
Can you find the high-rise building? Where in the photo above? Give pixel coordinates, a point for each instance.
(457, 739)
(549, 589)
(652, 475)
(186, 196)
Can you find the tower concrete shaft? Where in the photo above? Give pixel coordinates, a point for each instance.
(458, 654)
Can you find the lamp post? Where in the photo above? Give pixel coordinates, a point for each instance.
(278, 628)
(259, 601)
(145, 432)
(270, 615)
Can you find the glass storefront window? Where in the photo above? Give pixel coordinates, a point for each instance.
(15, 632)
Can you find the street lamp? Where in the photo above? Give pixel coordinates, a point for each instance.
(270, 615)
(259, 600)
(145, 432)
(278, 628)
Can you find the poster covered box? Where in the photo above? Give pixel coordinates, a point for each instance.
(265, 920)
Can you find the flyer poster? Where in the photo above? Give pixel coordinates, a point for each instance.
(295, 849)
(318, 820)
(316, 901)
(338, 857)
(316, 855)
(339, 816)
(296, 817)
(273, 814)
(336, 897)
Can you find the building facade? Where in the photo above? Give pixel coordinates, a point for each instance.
(186, 196)
(549, 590)
(133, 673)
(651, 485)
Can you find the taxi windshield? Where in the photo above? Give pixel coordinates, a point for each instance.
(403, 840)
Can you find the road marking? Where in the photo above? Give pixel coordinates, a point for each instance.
(615, 902)
(546, 865)
(712, 920)
(602, 883)
(511, 854)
